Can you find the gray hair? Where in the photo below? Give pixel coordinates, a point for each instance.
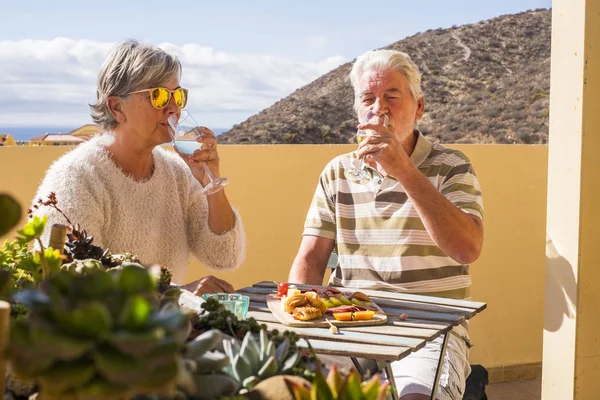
(386, 60)
(131, 66)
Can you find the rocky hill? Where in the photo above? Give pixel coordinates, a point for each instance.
(483, 83)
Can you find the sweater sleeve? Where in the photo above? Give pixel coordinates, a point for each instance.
(218, 251)
(75, 196)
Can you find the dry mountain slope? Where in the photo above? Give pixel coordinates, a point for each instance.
(483, 83)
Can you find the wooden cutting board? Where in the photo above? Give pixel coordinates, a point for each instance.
(274, 305)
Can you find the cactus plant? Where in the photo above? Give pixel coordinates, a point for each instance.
(253, 361)
(101, 334)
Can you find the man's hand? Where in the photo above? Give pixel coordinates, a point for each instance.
(386, 149)
(209, 284)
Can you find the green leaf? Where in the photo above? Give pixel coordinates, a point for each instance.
(28, 364)
(214, 386)
(290, 362)
(65, 376)
(320, 388)
(10, 213)
(91, 320)
(264, 341)
(171, 319)
(32, 229)
(371, 388)
(99, 388)
(268, 369)
(211, 361)
(251, 352)
(55, 344)
(136, 344)
(298, 391)
(94, 285)
(53, 258)
(335, 380)
(31, 262)
(135, 313)
(170, 296)
(11, 253)
(282, 350)
(241, 368)
(134, 279)
(62, 282)
(118, 368)
(163, 353)
(207, 341)
(353, 389)
(161, 378)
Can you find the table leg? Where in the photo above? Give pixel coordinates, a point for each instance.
(390, 377)
(358, 367)
(439, 368)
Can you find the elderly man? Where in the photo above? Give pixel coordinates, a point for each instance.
(413, 227)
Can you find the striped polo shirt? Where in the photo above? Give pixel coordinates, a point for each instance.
(381, 241)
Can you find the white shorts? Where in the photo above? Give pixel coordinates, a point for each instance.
(416, 373)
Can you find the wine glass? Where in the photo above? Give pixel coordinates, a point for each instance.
(184, 130)
(358, 171)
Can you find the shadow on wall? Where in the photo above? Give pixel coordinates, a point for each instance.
(561, 288)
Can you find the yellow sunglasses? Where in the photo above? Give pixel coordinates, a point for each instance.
(160, 96)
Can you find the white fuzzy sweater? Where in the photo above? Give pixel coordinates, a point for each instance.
(161, 220)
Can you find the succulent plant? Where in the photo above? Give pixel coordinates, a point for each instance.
(118, 259)
(203, 377)
(101, 334)
(20, 268)
(338, 386)
(252, 360)
(79, 246)
(201, 374)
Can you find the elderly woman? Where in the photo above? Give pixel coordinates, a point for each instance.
(131, 194)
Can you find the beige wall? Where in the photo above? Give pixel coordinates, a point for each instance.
(272, 186)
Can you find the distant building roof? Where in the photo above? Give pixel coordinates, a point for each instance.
(86, 131)
(6, 140)
(62, 138)
(57, 137)
(39, 138)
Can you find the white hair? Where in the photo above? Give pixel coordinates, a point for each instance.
(131, 66)
(382, 60)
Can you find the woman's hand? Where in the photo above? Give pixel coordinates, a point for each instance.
(209, 284)
(208, 154)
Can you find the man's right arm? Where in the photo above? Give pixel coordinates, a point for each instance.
(311, 260)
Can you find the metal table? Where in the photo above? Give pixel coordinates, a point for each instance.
(428, 318)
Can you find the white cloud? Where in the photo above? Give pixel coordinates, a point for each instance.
(50, 82)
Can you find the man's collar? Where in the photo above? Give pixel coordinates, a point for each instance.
(422, 149)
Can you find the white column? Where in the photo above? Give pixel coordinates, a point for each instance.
(571, 357)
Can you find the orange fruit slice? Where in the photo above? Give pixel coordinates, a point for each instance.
(343, 316)
(363, 315)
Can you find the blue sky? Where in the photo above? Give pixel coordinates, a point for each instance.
(239, 56)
